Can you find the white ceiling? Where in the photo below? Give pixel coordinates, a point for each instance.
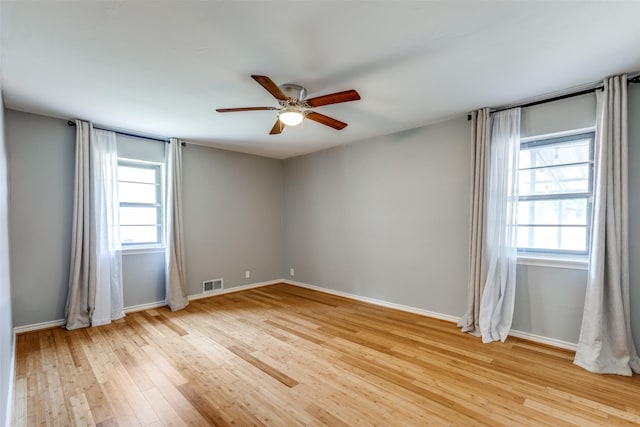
(162, 68)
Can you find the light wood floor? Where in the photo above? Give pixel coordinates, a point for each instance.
(287, 356)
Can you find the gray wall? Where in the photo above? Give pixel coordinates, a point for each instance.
(41, 163)
(568, 114)
(232, 217)
(232, 213)
(6, 328)
(549, 301)
(143, 278)
(387, 218)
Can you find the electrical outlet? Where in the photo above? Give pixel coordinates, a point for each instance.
(247, 274)
(291, 272)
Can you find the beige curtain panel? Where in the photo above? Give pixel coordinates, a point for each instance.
(95, 278)
(175, 264)
(480, 137)
(606, 345)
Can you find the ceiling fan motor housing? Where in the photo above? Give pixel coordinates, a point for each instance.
(294, 91)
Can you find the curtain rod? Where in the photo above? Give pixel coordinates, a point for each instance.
(184, 144)
(634, 79)
(555, 98)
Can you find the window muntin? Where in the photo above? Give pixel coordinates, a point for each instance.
(140, 193)
(555, 194)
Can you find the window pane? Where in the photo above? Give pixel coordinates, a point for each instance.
(137, 193)
(554, 180)
(553, 212)
(138, 215)
(140, 184)
(553, 238)
(134, 174)
(556, 154)
(138, 234)
(552, 172)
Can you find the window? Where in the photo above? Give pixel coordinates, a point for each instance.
(555, 189)
(140, 192)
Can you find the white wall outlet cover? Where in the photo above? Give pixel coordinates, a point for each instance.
(291, 272)
(247, 274)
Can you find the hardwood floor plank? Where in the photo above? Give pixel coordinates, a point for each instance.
(171, 325)
(123, 413)
(166, 380)
(80, 410)
(325, 417)
(549, 409)
(274, 373)
(162, 408)
(20, 402)
(199, 403)
(287, 356)
(295, 332)
(623, 415)
(137, 374)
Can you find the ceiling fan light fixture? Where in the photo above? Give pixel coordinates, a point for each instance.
(291, 116)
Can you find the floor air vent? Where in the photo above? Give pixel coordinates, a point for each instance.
(212, 285)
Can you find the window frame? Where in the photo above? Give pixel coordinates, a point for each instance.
(535, 256)
(158, 168)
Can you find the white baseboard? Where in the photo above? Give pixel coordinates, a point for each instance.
(38, 326)
(544, 340)
(235, 289)
(146, 306)
(158, 304)
(374, 301)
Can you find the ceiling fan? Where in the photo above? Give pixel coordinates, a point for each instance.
(294, 108)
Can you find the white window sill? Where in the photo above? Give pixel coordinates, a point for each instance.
(567, 262)
(142, 250)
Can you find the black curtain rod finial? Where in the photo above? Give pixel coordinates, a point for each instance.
(71, 123)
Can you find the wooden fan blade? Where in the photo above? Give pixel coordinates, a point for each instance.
(233, 110)
(333, 98)
(326, 120)
(277, 128)
(270, 86)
